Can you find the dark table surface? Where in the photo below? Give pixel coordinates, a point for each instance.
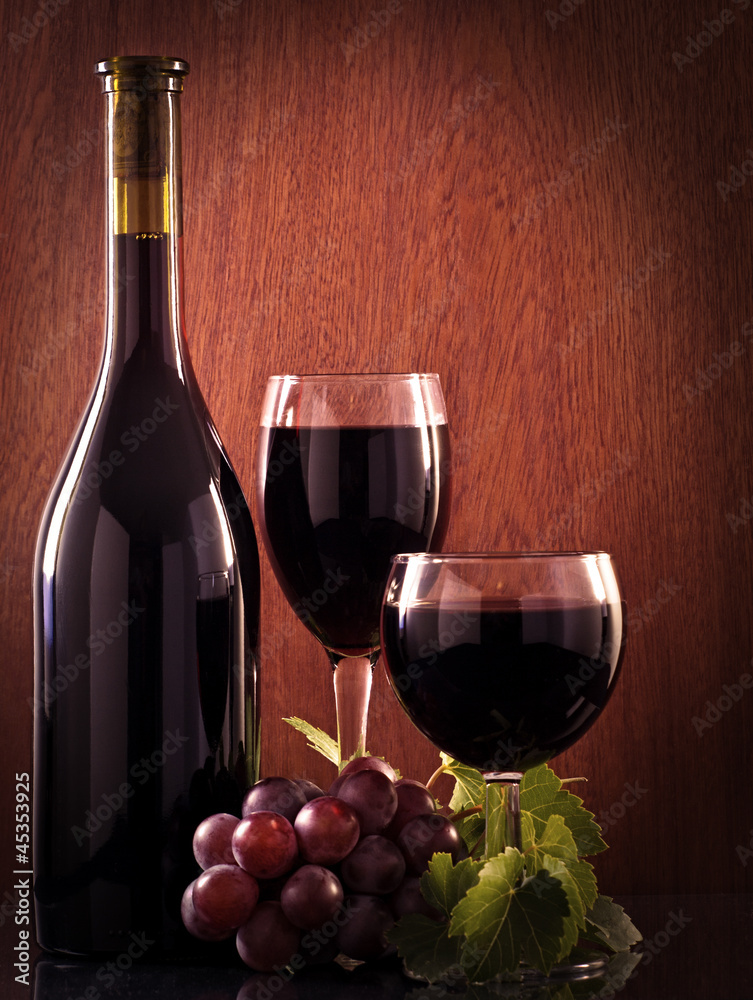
(694, 948)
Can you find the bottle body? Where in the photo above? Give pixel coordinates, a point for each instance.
(146, 603)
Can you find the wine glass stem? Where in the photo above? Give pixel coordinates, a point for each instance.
(352, 677)
(502, 811)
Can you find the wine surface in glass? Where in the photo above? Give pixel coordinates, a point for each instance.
(503, 685)
(337, 503)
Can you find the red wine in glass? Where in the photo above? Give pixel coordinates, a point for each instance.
(503, 685)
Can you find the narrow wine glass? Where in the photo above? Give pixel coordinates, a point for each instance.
(352, 469)
(503, 660)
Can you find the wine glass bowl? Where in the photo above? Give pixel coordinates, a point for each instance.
(352, 469)
(503, 660)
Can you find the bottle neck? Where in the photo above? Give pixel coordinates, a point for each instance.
(144, 213)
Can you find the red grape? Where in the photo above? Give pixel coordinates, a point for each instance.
(327, 830)
(407, 898)
(424, 836)
(413, 799)
(334, 788)
(369, 764)
(362, 936)
(373, 796)
(311, 896)
(268, 940)
(375, 866)
(264, 844)
(309, 789)
(193, 923)
(268, 877)
(212, 840)
(280, 795)
(224, 896)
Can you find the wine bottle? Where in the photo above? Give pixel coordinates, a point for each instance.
(146, 589)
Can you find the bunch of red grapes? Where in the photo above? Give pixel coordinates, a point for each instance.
(305, 876)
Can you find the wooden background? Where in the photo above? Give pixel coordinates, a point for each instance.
(539, 201)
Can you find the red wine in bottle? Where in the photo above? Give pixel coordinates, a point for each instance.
(146, 589)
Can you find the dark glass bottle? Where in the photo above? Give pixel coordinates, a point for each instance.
(146, 589)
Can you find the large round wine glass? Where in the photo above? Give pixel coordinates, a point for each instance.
(352, 469)
(503, 660)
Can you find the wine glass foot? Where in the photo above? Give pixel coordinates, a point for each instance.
(589, 967)
(524, 983)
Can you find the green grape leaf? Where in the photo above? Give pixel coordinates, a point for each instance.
(328, 747)
(471, 828)
(546, 867)
(557, 841)
(527, 831)
(608, 924)
(318, 739)
(425, 946)
(542, 795)
(469, 785)
(445, 884)
(505, 919)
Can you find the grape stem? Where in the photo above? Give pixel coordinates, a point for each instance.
(470, 811)
(440, 770)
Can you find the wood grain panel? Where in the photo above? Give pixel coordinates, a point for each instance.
(531, 207)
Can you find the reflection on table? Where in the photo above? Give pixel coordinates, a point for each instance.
(694, 948)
